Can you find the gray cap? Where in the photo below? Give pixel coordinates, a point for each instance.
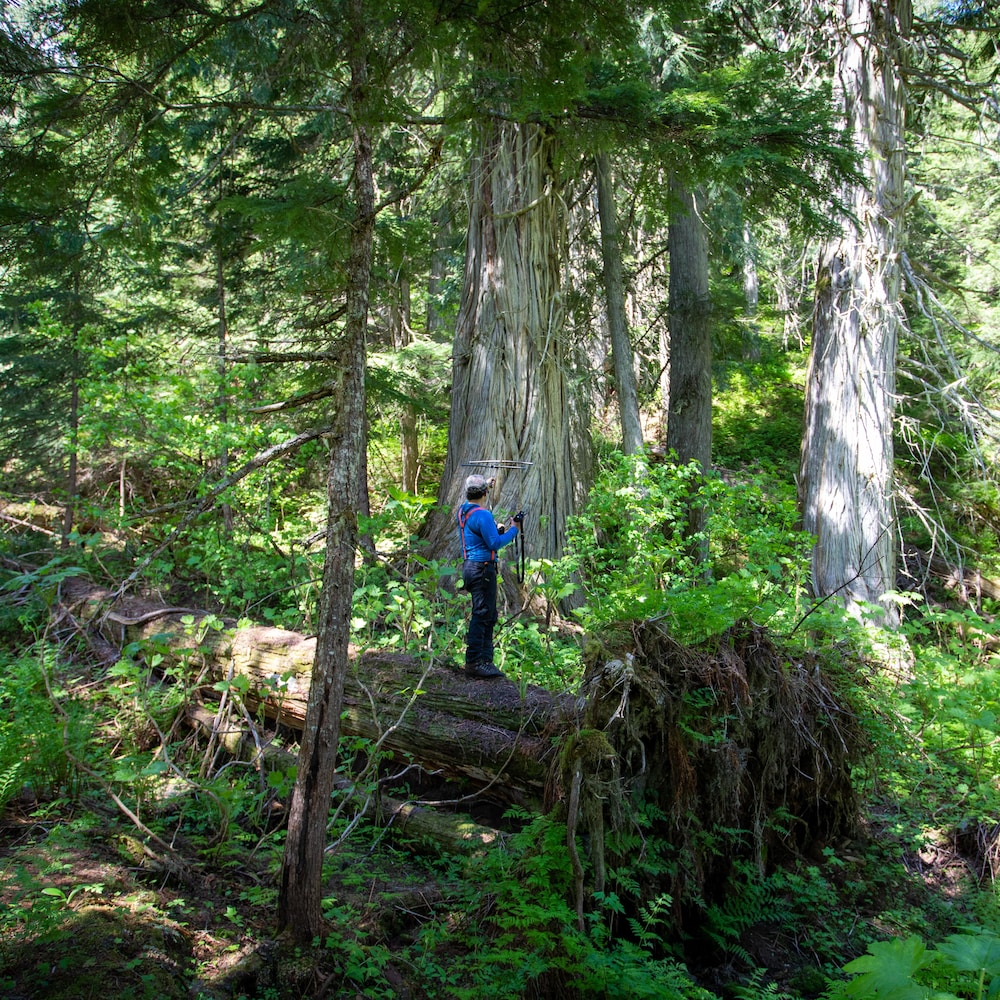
(476, 484)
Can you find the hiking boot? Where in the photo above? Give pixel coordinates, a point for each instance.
(483, 671)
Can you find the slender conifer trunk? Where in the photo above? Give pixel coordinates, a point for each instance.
(689, 420)
(614, 298)
(300, 893)
(689, 416)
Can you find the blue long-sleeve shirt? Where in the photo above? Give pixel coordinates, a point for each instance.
(478, 533)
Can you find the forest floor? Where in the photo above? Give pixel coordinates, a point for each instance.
(92, 912)
(90, 906)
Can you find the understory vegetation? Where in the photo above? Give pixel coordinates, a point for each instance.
(137, 858)
(277, 275)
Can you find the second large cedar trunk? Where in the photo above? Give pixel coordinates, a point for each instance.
(517, 393)
(846, 472)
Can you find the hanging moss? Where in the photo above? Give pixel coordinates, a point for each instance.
(588, 746)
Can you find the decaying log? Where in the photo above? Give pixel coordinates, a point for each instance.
(966, 582)
(490, 733)
(743, 749)
(455, 833)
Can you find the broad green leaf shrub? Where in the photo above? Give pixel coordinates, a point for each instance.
(953, 688)
(944, 713)
(396, 525)
(630, 556)
(267, 569)
(964, 966)
(531, 653)
(405, 613)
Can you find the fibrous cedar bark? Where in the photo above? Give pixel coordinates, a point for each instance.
(846, 470)
(514, 394)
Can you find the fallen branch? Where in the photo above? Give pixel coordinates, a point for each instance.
(455, 833)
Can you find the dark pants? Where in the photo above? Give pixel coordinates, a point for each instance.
(480, 579)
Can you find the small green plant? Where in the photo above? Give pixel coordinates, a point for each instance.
(964, 966)
(43, 731)
(750, 900)
(522, 935)
(362, 962)
(65, 899)
(406, 613)
(538, 655)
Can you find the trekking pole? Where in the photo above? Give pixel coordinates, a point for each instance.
(519, 542)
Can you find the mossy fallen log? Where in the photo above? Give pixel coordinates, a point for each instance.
(739, 752)
(454, 833)
(490, 733)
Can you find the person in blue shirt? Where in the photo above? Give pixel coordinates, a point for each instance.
(481, 540)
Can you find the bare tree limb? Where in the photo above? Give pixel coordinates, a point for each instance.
(259, 460)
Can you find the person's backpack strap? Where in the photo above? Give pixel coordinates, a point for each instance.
(463, 519)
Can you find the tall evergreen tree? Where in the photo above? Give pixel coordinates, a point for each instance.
(514, 395)
(689, 421)
(301, 889)
(846, 474)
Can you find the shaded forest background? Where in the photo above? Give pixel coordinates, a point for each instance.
(277, 276)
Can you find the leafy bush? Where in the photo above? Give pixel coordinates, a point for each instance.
(631, 555)
(965, 966)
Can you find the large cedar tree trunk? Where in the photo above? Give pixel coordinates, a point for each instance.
(846, 472)
(516, 395)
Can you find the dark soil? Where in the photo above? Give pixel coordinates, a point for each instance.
(88, 911)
